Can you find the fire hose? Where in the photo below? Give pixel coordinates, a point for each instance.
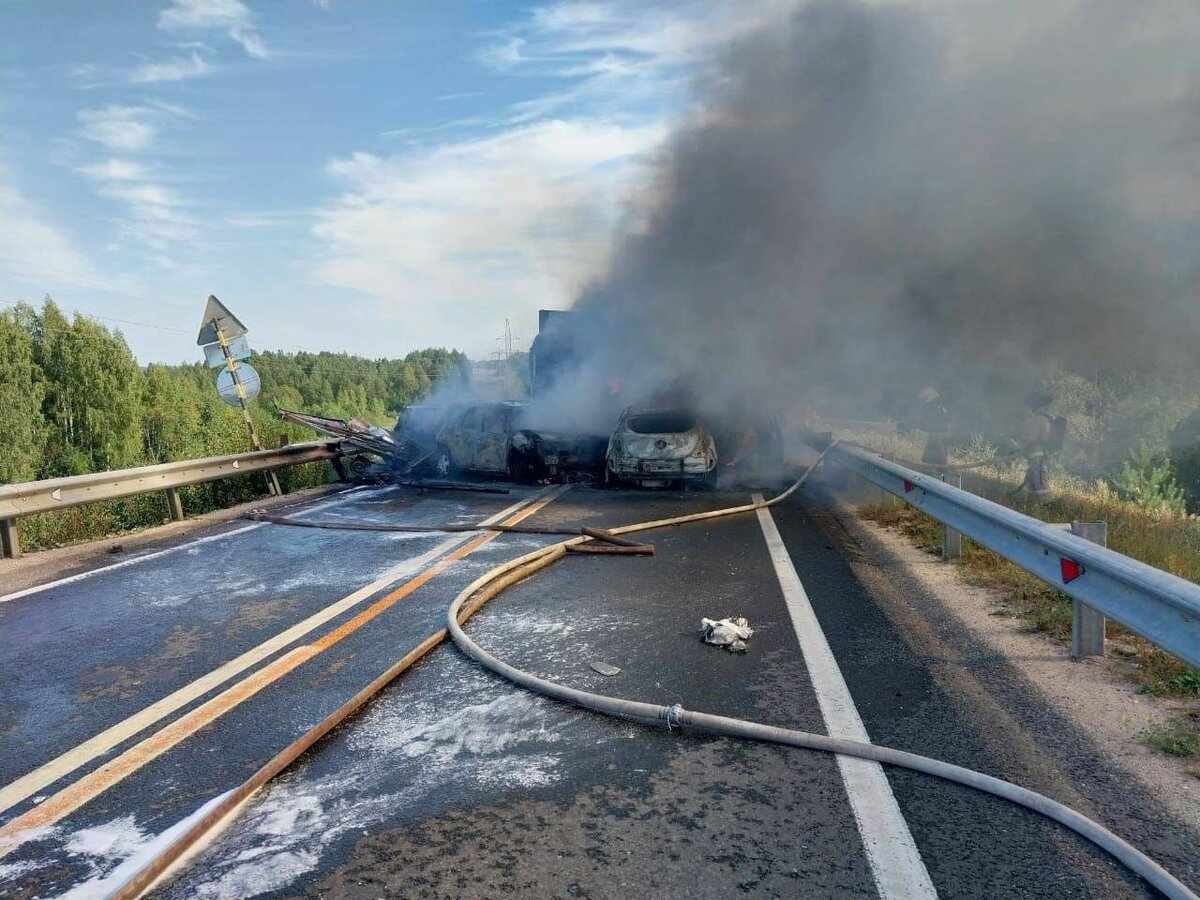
(499, 579)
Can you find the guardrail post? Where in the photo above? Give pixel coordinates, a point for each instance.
(174, 505)
(1087, 625)
(885, 498)
(951, 539)
(9, 539)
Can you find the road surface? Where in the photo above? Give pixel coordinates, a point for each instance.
(135, 694)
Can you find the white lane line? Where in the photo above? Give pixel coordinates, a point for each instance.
(43, 776)
(895, 862)
(155, 554)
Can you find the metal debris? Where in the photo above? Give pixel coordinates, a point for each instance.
(604, 669)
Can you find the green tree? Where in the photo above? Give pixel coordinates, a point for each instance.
(22, 391)
(1149, 481)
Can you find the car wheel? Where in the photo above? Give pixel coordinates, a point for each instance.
(443, 463)
(520, 468)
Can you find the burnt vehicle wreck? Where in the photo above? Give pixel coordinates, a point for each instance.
(658, 447)
(492, 438)
(442, 440)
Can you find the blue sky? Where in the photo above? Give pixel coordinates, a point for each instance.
(345, 175)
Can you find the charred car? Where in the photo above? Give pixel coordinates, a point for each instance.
(491, 438)
(416, 435)
(658, 447)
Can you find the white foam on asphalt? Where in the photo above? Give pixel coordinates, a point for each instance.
(118, 839)
(191, 547)
(121, 839)
(46, 774)
(895, 862)
(426, 743)
(10, 871)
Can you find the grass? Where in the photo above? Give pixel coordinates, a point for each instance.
(1176, 736)
(1166, 541)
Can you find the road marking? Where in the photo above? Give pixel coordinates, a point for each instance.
(155, 554)
(896, 864)
(74, 795)
(46, 774)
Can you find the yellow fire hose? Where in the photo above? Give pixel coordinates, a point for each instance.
(499, 579)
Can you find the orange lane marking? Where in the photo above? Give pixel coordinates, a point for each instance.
(90, 786)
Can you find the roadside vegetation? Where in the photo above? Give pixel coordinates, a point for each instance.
(1146, 511)
(73, 400)
(1176, 736)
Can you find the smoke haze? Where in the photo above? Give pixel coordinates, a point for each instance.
(868, 199)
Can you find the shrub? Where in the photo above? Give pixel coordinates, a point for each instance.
(1149, 481)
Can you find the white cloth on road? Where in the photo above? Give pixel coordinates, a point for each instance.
(731, 633)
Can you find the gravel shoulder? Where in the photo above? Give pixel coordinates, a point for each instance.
(1101, 704)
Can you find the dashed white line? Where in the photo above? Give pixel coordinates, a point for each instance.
(895, 862)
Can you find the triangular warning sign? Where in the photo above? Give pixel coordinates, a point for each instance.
(231, 325)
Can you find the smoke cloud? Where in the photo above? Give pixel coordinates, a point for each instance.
(868, 199)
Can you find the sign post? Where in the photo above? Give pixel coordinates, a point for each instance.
(223, 329)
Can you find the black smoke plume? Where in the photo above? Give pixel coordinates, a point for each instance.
(869, 199)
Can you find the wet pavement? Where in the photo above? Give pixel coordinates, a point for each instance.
(453, 783)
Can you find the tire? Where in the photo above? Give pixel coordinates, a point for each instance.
(520, 469)
(443, 462)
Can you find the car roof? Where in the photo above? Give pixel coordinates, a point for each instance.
(655, 410)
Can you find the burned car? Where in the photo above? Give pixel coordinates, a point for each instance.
(491, 438)
(416, 435)
(657, 447)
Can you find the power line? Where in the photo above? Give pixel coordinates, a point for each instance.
(102, 284)
(107, 318)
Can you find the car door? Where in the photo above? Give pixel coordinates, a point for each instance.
(463, 439)
(493, 440)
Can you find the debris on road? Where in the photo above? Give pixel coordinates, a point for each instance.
(613, 549)
(731, 633)
(454, 486)
(604, 669)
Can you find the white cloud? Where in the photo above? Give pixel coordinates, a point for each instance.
(175, 69)
(154, 215)
(124, 128)
(37, 253)
(451, 239)
(114, 170)
(230, 16)
(563, 36)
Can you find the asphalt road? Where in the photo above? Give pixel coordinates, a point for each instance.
(133, 696)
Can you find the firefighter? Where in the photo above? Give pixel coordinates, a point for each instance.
(1034, 443)
(934, 420)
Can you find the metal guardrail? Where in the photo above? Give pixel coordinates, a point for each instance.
(1162, 608)
(31, 497)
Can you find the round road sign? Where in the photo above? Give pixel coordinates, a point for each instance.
(251, 383)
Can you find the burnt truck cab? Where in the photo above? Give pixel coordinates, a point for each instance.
(657, 447)
(487, 438)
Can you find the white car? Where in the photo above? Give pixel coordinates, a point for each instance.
(657, 447)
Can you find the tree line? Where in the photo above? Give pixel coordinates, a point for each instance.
(74, 400)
